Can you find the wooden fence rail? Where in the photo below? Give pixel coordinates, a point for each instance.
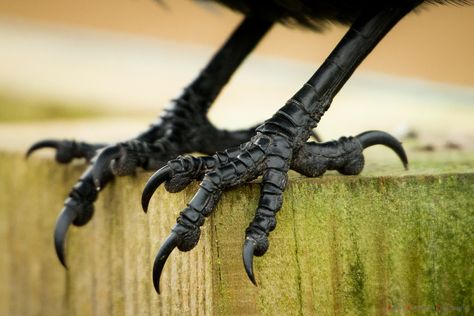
(343, 246)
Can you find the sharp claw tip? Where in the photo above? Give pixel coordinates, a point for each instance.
(145, 202)
(145, 207)
(252, 279)
(60, 255)
(249, 247)
(30, 151)
(62, 225)
(168, 246)
(156, 285)
(152, 185)
(63, 263)
(156, 279)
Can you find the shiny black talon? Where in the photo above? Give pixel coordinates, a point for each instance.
(247, 256)
(153, 183)
(165, 250)
(67, 150)
(65, 219)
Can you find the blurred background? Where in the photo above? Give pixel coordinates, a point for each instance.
(102, 70)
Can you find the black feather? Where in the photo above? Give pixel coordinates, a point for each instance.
(316, 14)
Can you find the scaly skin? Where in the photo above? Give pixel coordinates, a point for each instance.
(280, 144)
(267, 155)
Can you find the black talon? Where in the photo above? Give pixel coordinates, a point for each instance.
(65, 220)
(42, 144)
(153, 183)
(247, 255)
(102, 164)
(371, 138)
(168, 246)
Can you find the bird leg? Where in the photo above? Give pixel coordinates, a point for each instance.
(279, 144)
(182, 128)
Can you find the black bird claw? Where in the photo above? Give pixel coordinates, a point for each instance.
(168, 246)
(78, 210)
(47, 143)
(153, 183)
(66, 150)
(371, 138)
(178, 173)
(101, 167)
(247, 256)
(65, 219)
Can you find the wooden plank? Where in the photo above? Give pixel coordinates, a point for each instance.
(343, 245)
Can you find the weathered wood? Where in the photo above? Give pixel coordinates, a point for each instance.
(343, 246)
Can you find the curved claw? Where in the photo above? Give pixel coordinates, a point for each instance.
(371, 138)
(65, 220)
(47, 143)
(102, 163)
(247, 255)
(153, 183)
(168, 246)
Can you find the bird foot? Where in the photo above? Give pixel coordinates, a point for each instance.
(267, 155)
(177, 132)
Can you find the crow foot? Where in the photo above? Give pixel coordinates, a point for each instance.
(178, 131)
(266, 155)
